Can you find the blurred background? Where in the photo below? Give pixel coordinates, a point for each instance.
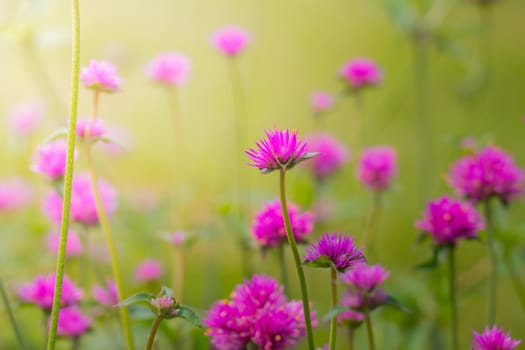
(451, 69)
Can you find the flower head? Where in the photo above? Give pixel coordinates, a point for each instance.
(354, 299)
(72, 322)
(338, 248)
(50, 160)
(14, 194)
(101, 76)
(231, 41)
(162, 302)
(169, 68)
(90, 129)
(360, 72)
(493, 339)
(279, 151)
(42, 290)
(268, 227)
(448, 220)
(147, 271)
(365, 278)
(24, 119)
(351, 317)
(332, 155)
(73, 244)
(377, 167)
(490, 172)
(106, 295)
(321, 101)
(178, 238)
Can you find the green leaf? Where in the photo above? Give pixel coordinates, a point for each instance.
(322, 261)
(333, 312)
(57, 134)
(434, 260)
(185, 312)
(266, 170)
(309, 155)
(139, 298)
(390, 301)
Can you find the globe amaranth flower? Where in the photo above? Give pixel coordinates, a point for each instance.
(170, 68)
(100, 76)
(106, 295)
(25, 118)
(338, 248)
(148, 271)
(332, 155)
(447, 220)
(268, 226)
(14, 194)
(281, 150)
(354, 299)
(377, 167)
(360, 72)
(490, 172)
(493, 339)
(231, 41)
(73, 243)
(90, 129)
(365, 278)
(72, 322)
(321, 101)
(259, 314)
(83, 208)
(50, 160)
(42, 290)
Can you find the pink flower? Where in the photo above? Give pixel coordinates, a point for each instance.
(231, 40)
(101, 76)
(494, 339)
(88, 128)
(50, 160)
(106, 295)
(169, 68)
(162, 302)
(338, 248)
(178, 238)
(377, 167)
(24, 119)
(365, 278)
(83, 208)
(321, 101)
(42, 290)
(72, 322)
(360, 72)
(73, 244)
(148, 271)
(14, 194)
(332, 155)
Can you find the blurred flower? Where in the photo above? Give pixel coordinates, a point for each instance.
(468, 144)
(354, 299)
(268, 227)
(101, 76)
(148, 271)
(42, 290)
(231, 40)
(493, 339)
(377, 167)
(280, 150)
(90, 128)
(332, 155)
(14, 194)
(365, 278)
(360, 72)
(448, 220)
(73, 244)
(106, 295)
(83, 208)
(258, 313)
(169, 68)
(350, 317)
(321, 101)
(490, 172)
(178, 238)
(72, 322)
(24, 119)
(50, 160)
(338, 248)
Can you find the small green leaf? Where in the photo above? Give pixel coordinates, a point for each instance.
(309, 155)
(390, 301)
(166, 291)
(185, 312)
(322, 261)
(334, 312)
(57, 134)
(266, 170)
(139, 298)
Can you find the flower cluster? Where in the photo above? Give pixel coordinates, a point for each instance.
(493, 339)
(377, 167)
(259, 314)
(338, 248)
(332, 155)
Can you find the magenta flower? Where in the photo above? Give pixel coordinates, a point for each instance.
(106, 295)
(338, 248)
(171, 69)
(72, 322)
(350, 317)
(447, 220)
(50, 160)
(321, 101)
(258, 313)
(268, 226)
(490, 172)
(162, 302)
(279, 151)
(354, 299)
(14, 194)
(365, 278)
(332, 155)
(24, 119)
(101, 76)
(360, 72)
(493, 339)
(377, 167)
(83, 209)
(149, 270)
(42, 290)
(231, 41)
(91, 129)
(73, 244)
(178, 238)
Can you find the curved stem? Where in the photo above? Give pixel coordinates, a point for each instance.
(493, 278)
(11, 316)
(516, 282)
(282, 266)
(68, 176)
(453, 301)
(333, 321)
(369, 330)
(297, 260)
(153, 332)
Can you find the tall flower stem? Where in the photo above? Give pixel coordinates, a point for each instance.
(493, 278)
(297, 259)
(350, 338)
(517, 283)
(153, 332)
(371, 221)
(282, 267)
(369, 330)
(178, 271)
(11, 316)
(453, 301)
(333, 321)
(359, 120)
(68, 176)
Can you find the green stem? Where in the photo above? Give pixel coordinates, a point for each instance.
(516, 282)
(178, 278)
(68, 177)
(453, 301)
(369, 330)
(368, 231)
(350, 338)
(11, 316)
(153, 332)
(333, 321)
(493, 278)
(282, 266)
(297, 260)
(359, 120)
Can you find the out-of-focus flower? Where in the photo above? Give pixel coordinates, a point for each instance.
(231, 41)
(72, 322)
(14, 194)
(365, 278)
(178, 238)
(169, 68)
(147, 271)
(42, 290)
(377, 167)
(73, 244)
(101, 76)
(332, 155)
(91, 129)
(106, 295)
(338, 248)
(354, 299)
(493, 339)
(321, 101)
(24, 119)
(360, 72)
(50, 160)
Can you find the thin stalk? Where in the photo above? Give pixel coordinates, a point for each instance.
(453, 301)
(68, 176)
(75, 343)
(373, 217)
(178, 271)
(297, 260)
(11, 316)
(516, 282)
(350, 334)
(493, 277)
(369, 330)
(359, 120)
(153, 332)
(282, 267)
(333, 321)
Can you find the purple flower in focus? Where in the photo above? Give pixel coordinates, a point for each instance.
(50, 160)
(377, 167)
(42, 290)
(365, 278)
(101, 76)
(72, 322)
(321, 101)
(231, 40)
(338, 248)
(73, 244)
(448, 220)
(490, 172)
(493, 339)
(14, 194)
(268, 227)
(24, 119)
(332, 155)
(171, 69)
(360, 72)
(148, 271)
(106, 295)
